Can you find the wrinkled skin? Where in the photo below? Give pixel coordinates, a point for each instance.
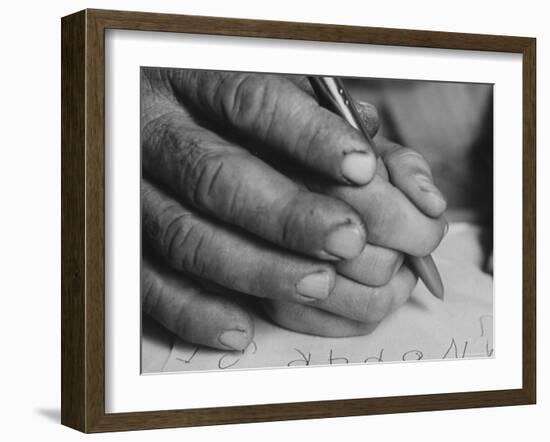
(250, 188)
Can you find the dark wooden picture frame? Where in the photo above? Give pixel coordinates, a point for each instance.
(83, 220)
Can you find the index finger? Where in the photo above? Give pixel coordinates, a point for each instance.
(280, 115)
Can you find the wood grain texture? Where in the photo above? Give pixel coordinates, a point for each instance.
(73, 126)
(83, 219)
(529, 220)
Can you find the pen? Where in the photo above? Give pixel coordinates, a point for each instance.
(333, 95)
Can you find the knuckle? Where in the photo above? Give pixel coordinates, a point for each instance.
(209, 177)
(183, 242)
(205, 176)
(182, 157)
(243, 97)
(199, 171)
(213, 185)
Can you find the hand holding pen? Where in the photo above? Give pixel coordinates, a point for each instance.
(222, 223)
(333, 94)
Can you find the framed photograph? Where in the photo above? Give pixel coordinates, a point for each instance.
(269, 220)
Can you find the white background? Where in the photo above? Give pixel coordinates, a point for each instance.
(30, 230)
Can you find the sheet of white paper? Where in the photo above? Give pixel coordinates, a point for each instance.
(424, 328)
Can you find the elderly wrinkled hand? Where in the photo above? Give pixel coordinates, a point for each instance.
(251, 188)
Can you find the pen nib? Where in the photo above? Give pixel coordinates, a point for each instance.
(425, 268)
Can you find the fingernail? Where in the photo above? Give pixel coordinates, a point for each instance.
(446, 229)
(369, 114)
(314, 286)
(234, 339)
(358, 167)
(345, 241)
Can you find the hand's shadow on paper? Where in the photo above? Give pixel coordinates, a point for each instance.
(52, 414)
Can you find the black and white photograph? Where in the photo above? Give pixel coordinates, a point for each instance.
(270, 221)
(300, 220)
